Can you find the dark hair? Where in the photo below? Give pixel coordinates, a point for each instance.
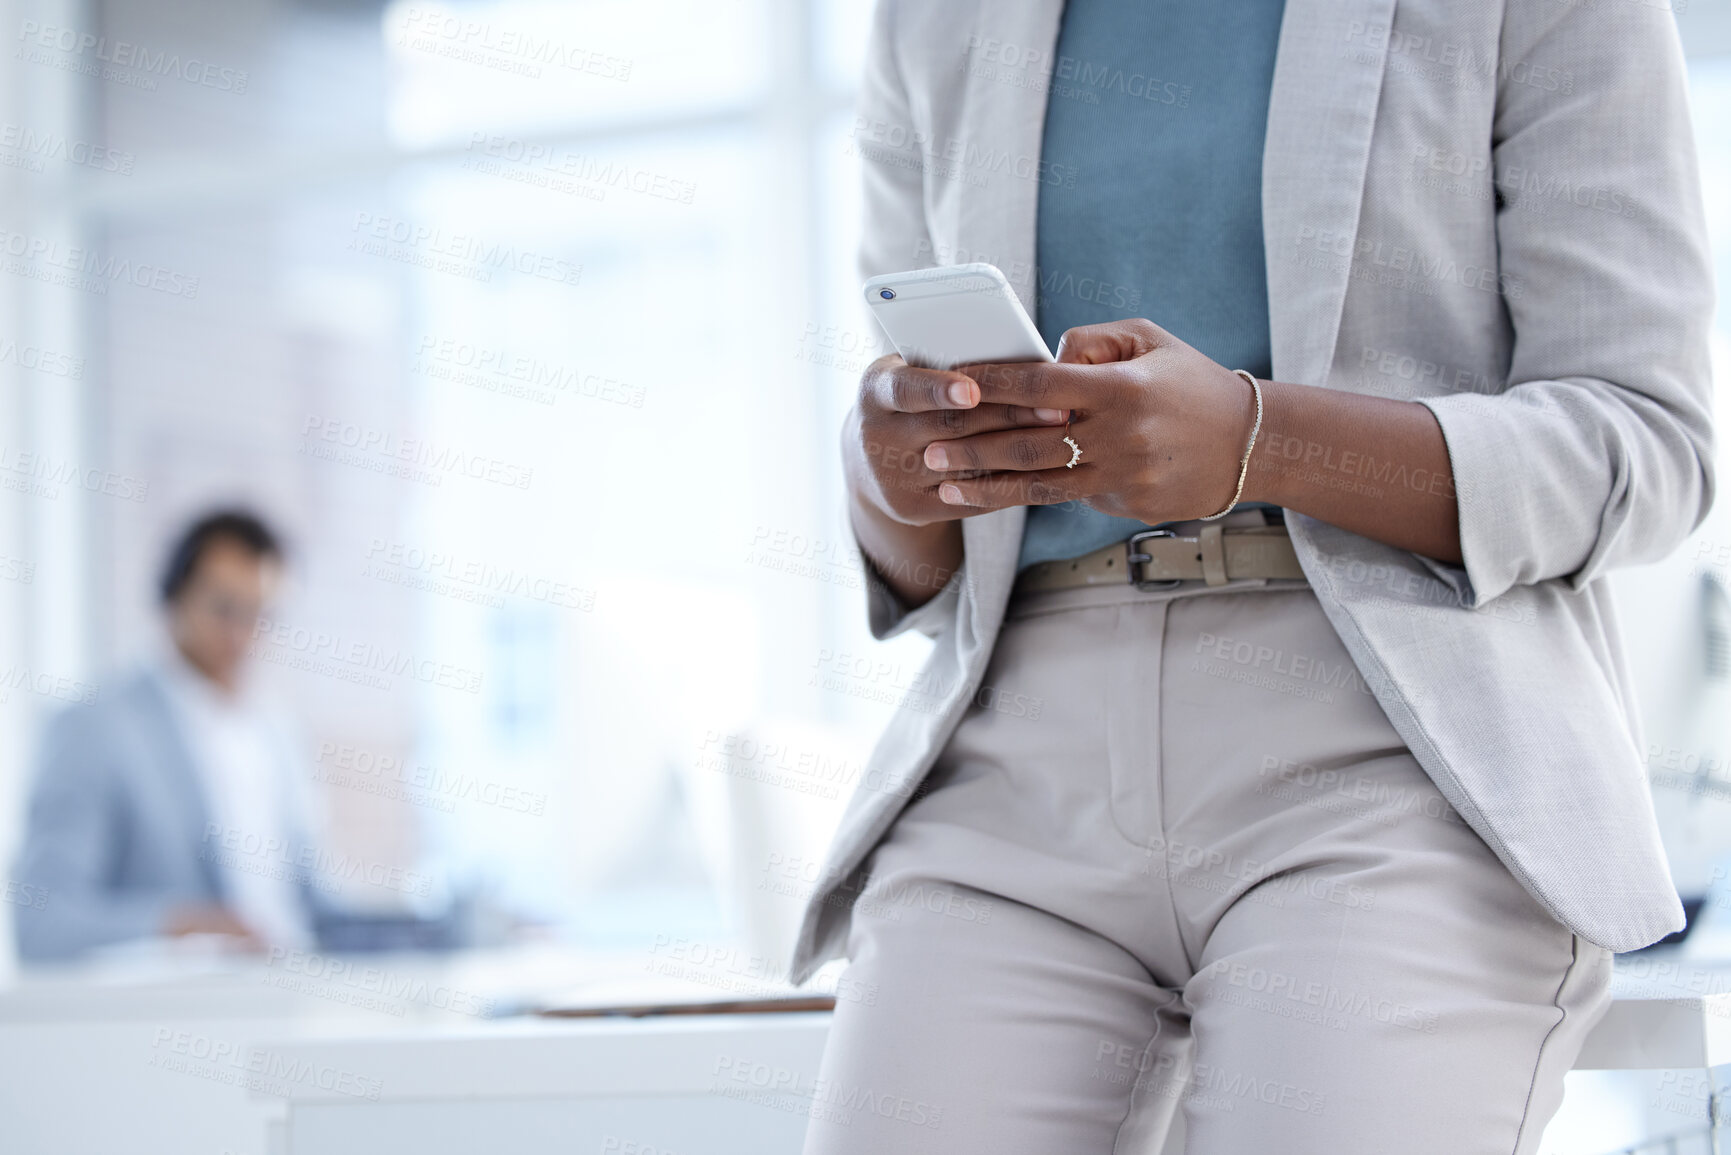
(236, 525)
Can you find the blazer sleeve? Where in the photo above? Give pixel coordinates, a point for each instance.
(1599, 453)
(893, 237)
(890, 616)
(72, 826)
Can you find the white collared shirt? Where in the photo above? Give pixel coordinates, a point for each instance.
(244, 766)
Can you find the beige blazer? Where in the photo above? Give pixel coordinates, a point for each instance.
(1490, 209)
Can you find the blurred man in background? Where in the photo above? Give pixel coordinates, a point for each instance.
(174, 806)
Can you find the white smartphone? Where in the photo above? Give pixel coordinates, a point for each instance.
(955, 315)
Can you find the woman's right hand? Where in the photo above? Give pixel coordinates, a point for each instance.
(902, 410)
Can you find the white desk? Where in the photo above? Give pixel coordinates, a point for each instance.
(1660, 1034)
(158, 1057)
(720, 1085)
(682, 1085)
(85, 1066)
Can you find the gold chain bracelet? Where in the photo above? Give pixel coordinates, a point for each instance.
(1244, 465)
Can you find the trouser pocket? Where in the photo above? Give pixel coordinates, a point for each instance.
(1129, 685)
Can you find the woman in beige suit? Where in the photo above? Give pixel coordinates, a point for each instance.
(1273, 761)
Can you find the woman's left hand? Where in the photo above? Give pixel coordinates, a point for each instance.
(1161, 427)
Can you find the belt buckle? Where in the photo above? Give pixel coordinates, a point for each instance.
(1133, 558)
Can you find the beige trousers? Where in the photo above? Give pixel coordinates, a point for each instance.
(1175, 857)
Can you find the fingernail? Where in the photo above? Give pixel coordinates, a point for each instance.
(961, 393)
(949, 494)
(937, 457)
(1053, 415)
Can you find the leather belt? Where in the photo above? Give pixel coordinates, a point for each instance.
(1160, 559)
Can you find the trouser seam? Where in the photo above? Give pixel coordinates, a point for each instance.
(1161, 811)
(1539, 1059)
(1142, 1064)
(1154, 851)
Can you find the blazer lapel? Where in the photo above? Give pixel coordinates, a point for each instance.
(171, 748)
(999, 217)
(999, 128)
(1328, 73)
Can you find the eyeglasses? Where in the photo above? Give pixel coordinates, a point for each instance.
(233, 612)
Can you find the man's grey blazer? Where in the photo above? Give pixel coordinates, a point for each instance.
(115, 831)
(1492, 209)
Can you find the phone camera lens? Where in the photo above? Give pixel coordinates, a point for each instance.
(887, 294)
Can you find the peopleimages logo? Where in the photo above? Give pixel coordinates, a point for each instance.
(123, 54)
(442, 570)
(48, 361)
(41, 146)
(42, 475)
(330, 977)
(446, 251)
(46, 259)
(360, 657)
(60, 687)
(391, 776)
(238, 849)
(562, 170)
(486, 366)
(521, 51)
(254, 1068)
(430, 458)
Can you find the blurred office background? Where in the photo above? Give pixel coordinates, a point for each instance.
(531, 324)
